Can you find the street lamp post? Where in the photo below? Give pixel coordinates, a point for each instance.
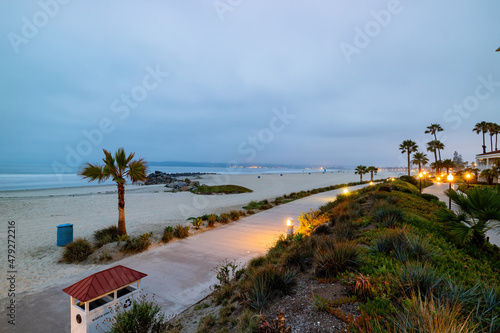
(450, 179)
(289, 224)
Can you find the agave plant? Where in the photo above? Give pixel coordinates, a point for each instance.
(479, 212)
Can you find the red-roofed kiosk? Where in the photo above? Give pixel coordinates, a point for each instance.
(95, 298)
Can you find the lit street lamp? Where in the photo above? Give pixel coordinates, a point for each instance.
(450, 179)
(289, 224)
(467, 178)
(420, 175)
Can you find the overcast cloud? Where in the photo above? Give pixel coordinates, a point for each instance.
(319, 82)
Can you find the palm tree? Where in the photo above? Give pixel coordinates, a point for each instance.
(478, 212)
(433, 146)
(489, 174)
(409, 147)
(119, 168)
(494, 129)
(481, 127)
(360, 170)
(432, 129)
(372, 170)
(448, 164)
(420, 159)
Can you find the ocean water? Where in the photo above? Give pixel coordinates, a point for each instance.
(31, 177)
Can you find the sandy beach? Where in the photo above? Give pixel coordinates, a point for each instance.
(148, 208)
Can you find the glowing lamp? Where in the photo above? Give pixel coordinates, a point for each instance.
(392, 179)
(346, 191)
(420, 175)
(371, 183)
(438, 178)
(289, 224)
(467, 176)
(450, 177)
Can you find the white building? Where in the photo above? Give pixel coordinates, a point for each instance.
(486, 161)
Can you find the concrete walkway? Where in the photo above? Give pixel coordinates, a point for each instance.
(438, 190)
(179, 274)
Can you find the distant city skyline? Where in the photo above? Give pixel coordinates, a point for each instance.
(304, 83)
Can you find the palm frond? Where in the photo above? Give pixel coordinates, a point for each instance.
(93, 172)
(137, 170)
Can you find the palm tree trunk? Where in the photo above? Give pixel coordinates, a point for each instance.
(360, 177)
(121, 209)
(496, 142)
(484, 145)
(371, 175)
(408, 162)
(436, 166)
(491, 142)
(419, 168)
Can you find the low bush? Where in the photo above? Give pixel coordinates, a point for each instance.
(77, 251)
(346, 230)
(409, 179)
(224, 218)
(197, 223)
(417, 279)
(429, 197)
(211, 219)
(137, 244)
(105, 235)
(252, 205)
(181, 231)
(142, 316)
(336, 257)
(388, 216)
(266, 283)
(168, 234)
(234, 215)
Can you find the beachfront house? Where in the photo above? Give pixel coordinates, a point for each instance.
(486, 161)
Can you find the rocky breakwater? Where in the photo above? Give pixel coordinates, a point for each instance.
(172, 181)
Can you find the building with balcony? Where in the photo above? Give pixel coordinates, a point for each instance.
(487, 161)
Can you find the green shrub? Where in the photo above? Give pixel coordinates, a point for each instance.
(168, 234)
(77, 251)
(346, 230)
(234, 215)
(252, 205)
(266, 206)
(429, 197)
(142, 317)
(267, 282)
(388, 216)
(105, 235)
(417, 279)
(336, 257)
(211, 219)
(197, 223)
(137, 244)
(181, 231)
(224, 218)
(409, 179)
(257, 262)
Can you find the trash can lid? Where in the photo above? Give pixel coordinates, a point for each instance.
(64, 225)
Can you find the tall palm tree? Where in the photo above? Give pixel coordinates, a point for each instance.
(119, 168)
(481, 127)
(372, 170)
(433, 146)
(478, 212)
(432, 129)
(420, 159)
(494, 130)
(409, 147)
(360, 170)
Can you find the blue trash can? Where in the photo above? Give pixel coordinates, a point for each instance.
(64, 234)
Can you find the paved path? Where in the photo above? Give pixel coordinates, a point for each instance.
(438, 190)
(179, 274)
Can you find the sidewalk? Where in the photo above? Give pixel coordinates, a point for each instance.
(438, 190)
(179, 274)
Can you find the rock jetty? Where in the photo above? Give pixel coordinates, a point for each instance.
(173, 181)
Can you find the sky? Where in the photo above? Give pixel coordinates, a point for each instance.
(244, 81)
